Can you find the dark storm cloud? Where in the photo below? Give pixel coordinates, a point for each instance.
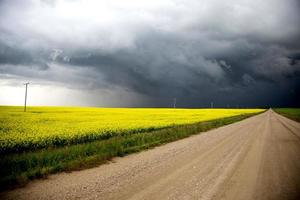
(14, 56)
(234, 53)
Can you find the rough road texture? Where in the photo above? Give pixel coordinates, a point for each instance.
(257, 158)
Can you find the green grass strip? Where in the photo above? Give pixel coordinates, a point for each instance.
(17, 169)
(292, 113)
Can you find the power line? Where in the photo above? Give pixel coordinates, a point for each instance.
(26, 84)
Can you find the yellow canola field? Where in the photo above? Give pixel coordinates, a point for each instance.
(46, 126)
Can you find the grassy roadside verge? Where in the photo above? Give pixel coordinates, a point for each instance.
(292, 113)
(18, 169)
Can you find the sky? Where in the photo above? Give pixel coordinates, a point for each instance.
(141, 53)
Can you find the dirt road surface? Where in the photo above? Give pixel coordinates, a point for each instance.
(257, 158)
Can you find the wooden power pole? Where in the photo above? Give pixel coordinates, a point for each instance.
(174, 103)
(26, 85)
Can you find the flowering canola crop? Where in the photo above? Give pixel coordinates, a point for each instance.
(51, 126)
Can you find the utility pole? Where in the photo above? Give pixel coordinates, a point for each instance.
(211, 104)
(174, 104)
(26, 84)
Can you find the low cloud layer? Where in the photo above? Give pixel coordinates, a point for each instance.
(145, 53)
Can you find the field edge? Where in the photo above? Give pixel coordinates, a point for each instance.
(286, 112)
(21, 168)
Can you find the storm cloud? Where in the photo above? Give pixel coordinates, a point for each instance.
(145, 53)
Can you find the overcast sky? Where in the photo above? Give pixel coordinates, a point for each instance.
(141, 53)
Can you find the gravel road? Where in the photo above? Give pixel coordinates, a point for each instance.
(257, 158)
